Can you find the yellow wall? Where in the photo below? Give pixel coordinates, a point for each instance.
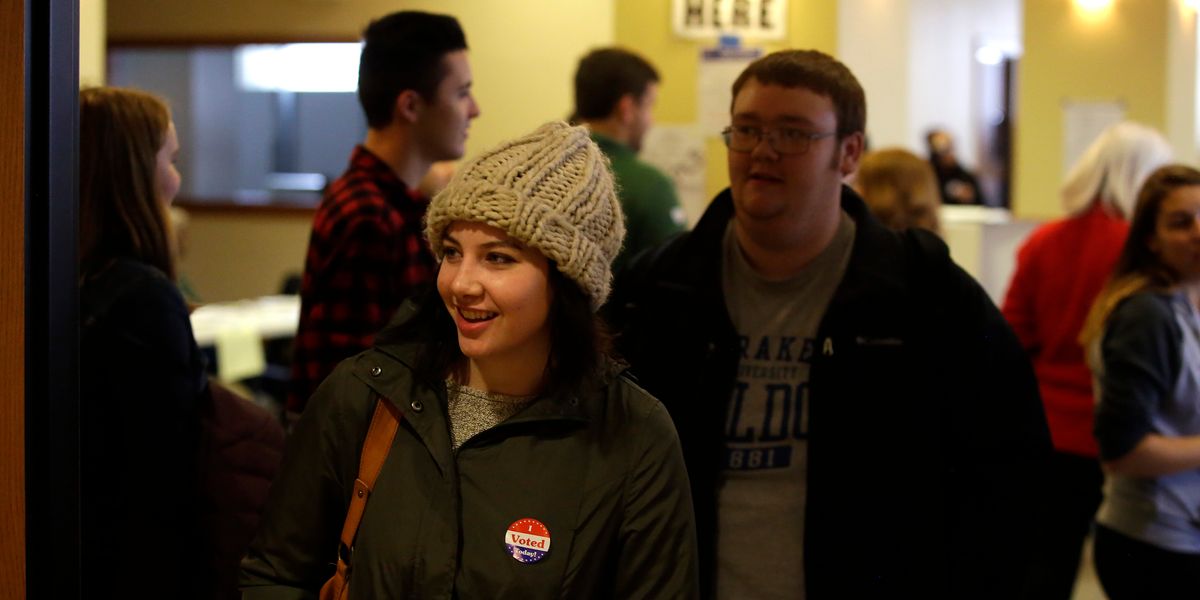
(646, 27)
(522, 53)
(231, 255)
(523, 56)
(91, 42)
(1119, 54)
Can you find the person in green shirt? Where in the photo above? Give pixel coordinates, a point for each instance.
(615, 93)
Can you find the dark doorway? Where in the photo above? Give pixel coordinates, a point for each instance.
(52, 501)
(993, 116)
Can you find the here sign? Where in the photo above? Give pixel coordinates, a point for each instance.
(759, 19)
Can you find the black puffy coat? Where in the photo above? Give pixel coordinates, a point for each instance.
(175, 471)
(926, 434)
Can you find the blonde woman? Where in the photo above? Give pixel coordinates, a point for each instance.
(900, 189)
(1143, 335)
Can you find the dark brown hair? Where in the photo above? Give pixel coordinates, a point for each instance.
(120, 214)
(403, 51)
(817, 72)
(606, 75)
(580, 343)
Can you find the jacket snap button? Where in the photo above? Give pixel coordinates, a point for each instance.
(417, 405)
(360, 493)
(376, 371)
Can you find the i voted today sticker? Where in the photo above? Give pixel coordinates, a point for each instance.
(527, 540)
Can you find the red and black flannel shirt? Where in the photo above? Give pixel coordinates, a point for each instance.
(366, 255)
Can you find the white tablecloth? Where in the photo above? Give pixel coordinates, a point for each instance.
(237, 330)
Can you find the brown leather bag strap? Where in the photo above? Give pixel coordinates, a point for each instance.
(380, 434)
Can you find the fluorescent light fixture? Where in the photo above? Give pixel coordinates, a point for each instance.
(1093, 5)
(989, 55)
(298, 67)
(301, 182)
(993, 51)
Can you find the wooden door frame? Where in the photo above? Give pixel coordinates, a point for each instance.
(52, 500)
(12, 298)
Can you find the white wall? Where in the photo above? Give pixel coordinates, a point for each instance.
(915, 60)
(873, 40)
(939, 66)
(1183, 96)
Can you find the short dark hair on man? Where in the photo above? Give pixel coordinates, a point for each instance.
(403, 51)
(818, 72)
(607, 74)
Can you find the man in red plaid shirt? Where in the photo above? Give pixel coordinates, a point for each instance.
(366, 253)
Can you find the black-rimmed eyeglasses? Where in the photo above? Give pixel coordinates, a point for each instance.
(783, 140)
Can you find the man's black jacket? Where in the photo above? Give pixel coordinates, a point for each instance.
(926, 434)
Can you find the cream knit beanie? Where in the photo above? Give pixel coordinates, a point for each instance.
(551, 189)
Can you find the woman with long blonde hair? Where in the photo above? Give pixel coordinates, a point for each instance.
(1143, 341)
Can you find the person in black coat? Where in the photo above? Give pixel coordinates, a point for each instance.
(155, 445)
(856, 417)
(956, 184)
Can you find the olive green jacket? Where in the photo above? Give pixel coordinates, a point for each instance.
(602, 471)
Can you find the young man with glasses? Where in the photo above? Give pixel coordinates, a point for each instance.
(857, 418)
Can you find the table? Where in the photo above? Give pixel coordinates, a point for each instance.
(237, 330)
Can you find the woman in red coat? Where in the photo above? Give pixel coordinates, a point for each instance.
(1060, 270)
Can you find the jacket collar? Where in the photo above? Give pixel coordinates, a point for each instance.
(612, 147)
(371, 167)
(875, 262)
(403, 351)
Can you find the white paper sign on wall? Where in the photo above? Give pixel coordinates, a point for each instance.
(1083, 122)
(757, 19)
(719, 67)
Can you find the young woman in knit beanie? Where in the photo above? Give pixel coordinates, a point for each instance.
(525, 465)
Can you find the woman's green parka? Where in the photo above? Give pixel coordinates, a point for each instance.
(602, 470)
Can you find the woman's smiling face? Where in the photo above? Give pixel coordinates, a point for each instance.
(1176, 240)
(498, 293)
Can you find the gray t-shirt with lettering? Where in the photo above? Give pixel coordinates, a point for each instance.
(761, 499)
